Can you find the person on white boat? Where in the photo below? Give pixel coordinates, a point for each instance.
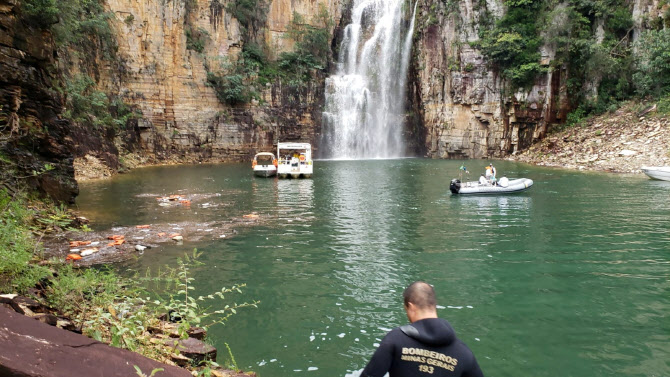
(491, 174)
(483, 180)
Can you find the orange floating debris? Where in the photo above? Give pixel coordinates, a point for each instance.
(116, 242)
(73, 257)
(79, 243)
(174, 235)
(185, 202)
(142, 226)
(250, 216)
(116, 237)
(161, 234)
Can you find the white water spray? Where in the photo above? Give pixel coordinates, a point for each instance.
(365, 99)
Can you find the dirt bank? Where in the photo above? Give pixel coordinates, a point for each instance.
(621, 142)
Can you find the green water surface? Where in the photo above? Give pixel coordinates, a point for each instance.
(571, 278)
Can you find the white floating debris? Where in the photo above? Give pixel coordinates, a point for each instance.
(74, 250)
(364, 332)
(222, 236)
(627, 153)
(87, 252)
(140, 247)
(477, 339)
(340, 335)
(95, 243)
(138, 238)
(311, 338)
(312, 368)
(208, 230)
(178, 238)
(273, 360)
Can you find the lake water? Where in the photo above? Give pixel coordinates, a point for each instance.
(571, 278)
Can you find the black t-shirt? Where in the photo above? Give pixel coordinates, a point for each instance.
(428, 347)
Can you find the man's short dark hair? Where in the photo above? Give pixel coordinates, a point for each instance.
(420, 294)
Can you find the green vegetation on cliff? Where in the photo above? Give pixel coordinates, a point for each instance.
(82, 34)
(591, 40)
(240, 81)
(78, 24)
(89, 106)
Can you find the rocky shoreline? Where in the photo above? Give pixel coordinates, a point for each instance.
(56, 337)
(621, 142)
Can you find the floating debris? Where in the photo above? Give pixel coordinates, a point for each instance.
(79, 243)
(116, 242)
(87, 252)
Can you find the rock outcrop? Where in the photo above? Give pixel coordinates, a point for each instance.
(606, 143)
(182, 118)
(33, 139)
(463, 104)
(31, 348)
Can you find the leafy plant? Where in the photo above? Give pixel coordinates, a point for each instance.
(186, 309)
(17, 273)
(43, 13)
(89, 106)
(652, 64)
(141, 374)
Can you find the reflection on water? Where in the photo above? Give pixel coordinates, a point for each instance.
(571, 275)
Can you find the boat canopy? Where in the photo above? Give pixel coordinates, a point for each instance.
(301, 147)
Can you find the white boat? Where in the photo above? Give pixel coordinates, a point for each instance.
(503, 186)
(295, 160)
(264, 164)
(657, 172)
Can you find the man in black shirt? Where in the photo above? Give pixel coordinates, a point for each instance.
(428, 346)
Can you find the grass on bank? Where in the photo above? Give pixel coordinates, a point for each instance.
(112, 309)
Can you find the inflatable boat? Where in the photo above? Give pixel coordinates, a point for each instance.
(503, 186)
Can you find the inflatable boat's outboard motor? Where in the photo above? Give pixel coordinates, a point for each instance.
(455, 186)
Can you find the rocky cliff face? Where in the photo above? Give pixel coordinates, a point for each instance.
(463, 105)
(34, 142)
(181, 115)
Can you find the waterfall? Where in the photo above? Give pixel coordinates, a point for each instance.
(365, 98)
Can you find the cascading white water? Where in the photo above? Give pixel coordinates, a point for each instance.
(365, 99)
